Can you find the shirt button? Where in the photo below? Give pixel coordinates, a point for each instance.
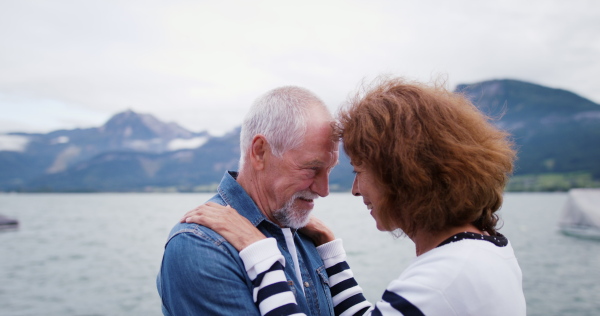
(306, 284)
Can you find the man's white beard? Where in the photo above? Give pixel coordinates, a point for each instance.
(290, 215)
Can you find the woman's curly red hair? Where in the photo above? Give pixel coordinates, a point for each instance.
(438, 159)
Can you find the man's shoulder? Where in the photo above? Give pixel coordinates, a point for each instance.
(196, 233)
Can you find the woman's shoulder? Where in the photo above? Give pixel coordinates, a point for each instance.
(469, 249)
(464, 271)
(445, 265)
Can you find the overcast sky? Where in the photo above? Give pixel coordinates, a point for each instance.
(67, 64)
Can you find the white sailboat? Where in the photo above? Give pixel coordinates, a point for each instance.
(580, 216)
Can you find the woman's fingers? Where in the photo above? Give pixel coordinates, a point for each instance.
(208, 208)
(226, 221)
(318, 231)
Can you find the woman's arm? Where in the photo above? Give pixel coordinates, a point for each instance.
(264, 265)
(347, 295)
(264, 262)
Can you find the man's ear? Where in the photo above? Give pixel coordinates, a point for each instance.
(258, 152)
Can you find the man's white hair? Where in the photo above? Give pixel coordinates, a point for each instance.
(281, 116)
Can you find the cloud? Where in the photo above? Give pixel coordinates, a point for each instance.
(202, 63)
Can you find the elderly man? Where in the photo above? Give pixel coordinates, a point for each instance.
(288, 147)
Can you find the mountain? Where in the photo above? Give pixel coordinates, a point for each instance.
(557, 134)
(25, 157)
(185, 170)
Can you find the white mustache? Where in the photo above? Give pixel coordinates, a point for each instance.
(307, 195)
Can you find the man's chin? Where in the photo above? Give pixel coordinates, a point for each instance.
(299, 216)
(300, 223)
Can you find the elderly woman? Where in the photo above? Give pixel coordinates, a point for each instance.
(429, 164)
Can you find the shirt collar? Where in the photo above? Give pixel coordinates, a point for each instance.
(235, 196)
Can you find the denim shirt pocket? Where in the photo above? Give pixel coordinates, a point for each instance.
(325, 286)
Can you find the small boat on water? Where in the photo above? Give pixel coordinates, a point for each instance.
(8, 223)
(580, 217)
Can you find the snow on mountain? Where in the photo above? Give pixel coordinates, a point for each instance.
(16, 143)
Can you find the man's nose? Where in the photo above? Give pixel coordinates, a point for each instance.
(321, 184)
(355, 189)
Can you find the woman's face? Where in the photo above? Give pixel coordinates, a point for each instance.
(366, 186)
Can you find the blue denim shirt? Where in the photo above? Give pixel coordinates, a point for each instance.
(202, 274)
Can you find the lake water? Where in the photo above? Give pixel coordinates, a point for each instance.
(98, 254)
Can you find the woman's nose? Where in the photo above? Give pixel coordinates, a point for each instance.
(355, 190)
